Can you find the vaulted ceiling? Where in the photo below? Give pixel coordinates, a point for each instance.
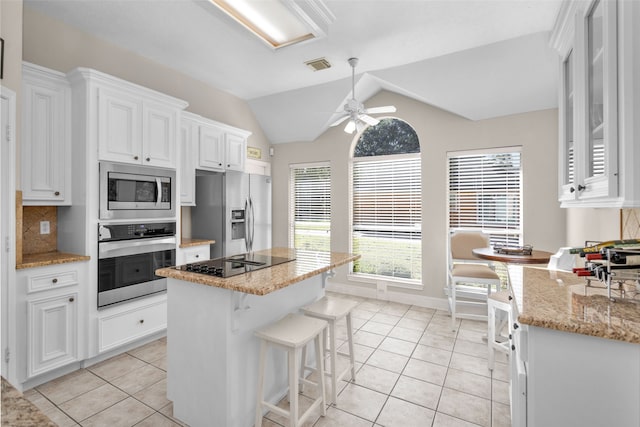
(475, 58)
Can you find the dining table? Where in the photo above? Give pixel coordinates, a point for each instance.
(536, 257)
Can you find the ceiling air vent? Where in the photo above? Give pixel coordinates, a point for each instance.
(318, 64)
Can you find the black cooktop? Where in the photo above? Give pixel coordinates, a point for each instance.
(233, 265)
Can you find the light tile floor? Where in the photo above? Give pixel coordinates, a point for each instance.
(412, 370)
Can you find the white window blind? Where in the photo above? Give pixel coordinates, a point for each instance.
(485, 193)
(310, 207)
(387, 215)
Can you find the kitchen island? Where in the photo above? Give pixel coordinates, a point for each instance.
(576, 354)
(212, 353)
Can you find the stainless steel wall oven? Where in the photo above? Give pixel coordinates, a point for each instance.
(128, 256)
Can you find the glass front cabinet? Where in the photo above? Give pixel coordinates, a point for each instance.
(597, 46)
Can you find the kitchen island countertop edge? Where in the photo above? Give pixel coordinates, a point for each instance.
(262, 282)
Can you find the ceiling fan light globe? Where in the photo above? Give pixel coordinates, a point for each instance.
(350, 127)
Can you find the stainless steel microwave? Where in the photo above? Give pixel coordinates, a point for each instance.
(136, 192)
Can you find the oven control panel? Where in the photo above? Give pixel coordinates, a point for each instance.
(111, 232)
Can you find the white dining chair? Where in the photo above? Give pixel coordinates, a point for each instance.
(471, 280)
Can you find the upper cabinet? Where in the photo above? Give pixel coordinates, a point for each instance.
(235, 151)
(208, 145)
(222, 147)
(46, 137)
(132, 129)
(188, 144)
(133, 124)
(211, 147)
(599, 50)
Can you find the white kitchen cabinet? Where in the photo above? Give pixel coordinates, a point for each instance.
(598, 98)
(159, 135)
(189, 134)
(211, 148)
(127, 323)
(52, 332)
(46, 137)
(574, 379)
(119, 126)
(221, 147)
(194, 254)
(236, 151)
(51, 317)
(130, 123)
(134, 130)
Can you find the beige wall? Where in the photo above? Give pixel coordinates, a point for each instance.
(439, 132)
(54, 45)
(592, 224)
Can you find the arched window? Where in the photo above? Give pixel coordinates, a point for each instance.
(386, 198)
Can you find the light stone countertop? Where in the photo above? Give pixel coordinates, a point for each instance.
(17, 411)
(187, 243)
(562, 301)
(267, 280)
(49, 258)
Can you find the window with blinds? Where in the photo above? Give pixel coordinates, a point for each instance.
(485, 194)
(310, 207)
(386, 198)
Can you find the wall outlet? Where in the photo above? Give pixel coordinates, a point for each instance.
(45, 227)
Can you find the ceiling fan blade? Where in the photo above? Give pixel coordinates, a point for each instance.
(350, 127)
(368, 120)
(378, 110)
(340, 120)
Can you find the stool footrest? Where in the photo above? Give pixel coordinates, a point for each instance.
(276, 409)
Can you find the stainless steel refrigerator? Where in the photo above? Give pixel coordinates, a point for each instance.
(234, 209)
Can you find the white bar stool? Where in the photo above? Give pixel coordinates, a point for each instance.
(333, 310)
(498, 301)
(292, 332)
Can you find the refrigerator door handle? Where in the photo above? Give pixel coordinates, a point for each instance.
(247, 243)
(253, 223)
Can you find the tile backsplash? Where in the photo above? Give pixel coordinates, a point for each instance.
(32, 241)
(630, 223)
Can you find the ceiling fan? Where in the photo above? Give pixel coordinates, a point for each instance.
(354, 111)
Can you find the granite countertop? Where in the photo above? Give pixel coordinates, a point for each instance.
(49, 258)
(187, 243)
(267, 280)
(562, 301)
(17, 411)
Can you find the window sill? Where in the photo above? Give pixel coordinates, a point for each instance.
(383, 282)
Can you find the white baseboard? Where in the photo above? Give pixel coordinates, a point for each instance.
(388, 295)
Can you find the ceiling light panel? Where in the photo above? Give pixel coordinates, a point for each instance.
(280, 23)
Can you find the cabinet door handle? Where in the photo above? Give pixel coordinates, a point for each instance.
(219, 164)
(582, 187)
(135, 157)
(141, 321)
(54, 280)
(72, 299)
(572, 190)
(57, 193)
(197, 256)
(148, 159)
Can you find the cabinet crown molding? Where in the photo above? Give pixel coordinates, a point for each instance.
(82, 74)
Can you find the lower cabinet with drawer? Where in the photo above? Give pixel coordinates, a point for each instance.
(194, 254)
(128, 323)
(51, 334)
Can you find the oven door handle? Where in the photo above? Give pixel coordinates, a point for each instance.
(135, 247)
